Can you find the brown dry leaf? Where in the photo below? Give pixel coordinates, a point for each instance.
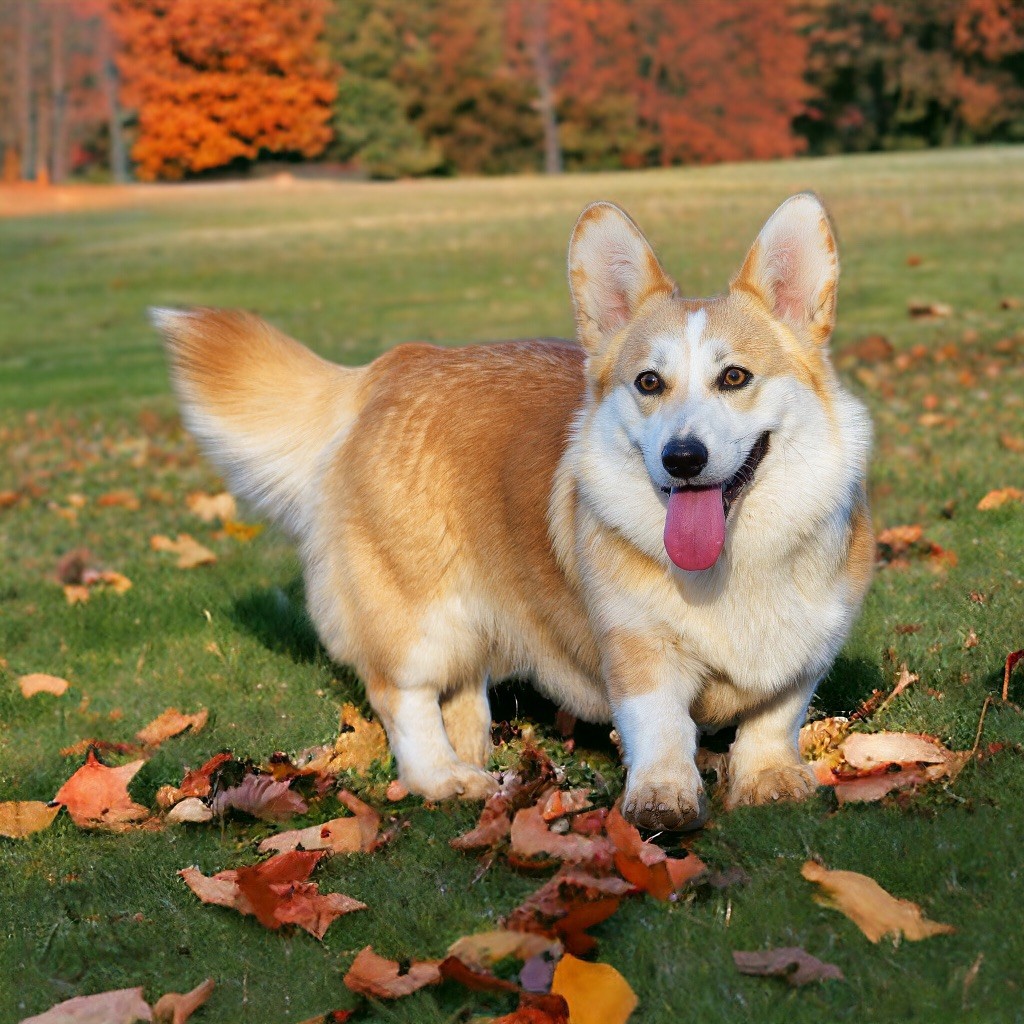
(175, 1008)
(20, 818)
(209, 507)
(340, 835)
(531, 837)
(1012, 443)
(899, 538)
(275, 892)
(1011, 302)
(971, 640)
(262, 796)
(360, 743)
(484, 949)
(197, 781)
(794, 965)
(97, 796)
(122, 1006)
(120, 499)
(537, 1008)
(40, 682)
(564, 801)
(8, 499)
(170, 723)
(375, 976)
(596, 993)
(191, 810)
(476, 980)
(929, 310)
(189, 551)
(645, 865)
(874, 911)
(494, 825)
(996, 499)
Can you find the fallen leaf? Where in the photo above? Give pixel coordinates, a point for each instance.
(198, 781)
(340, 835)
(8, 499)
(97, 796)
(119, 499)
(262, 796)
(560, 802)
(818, 739)
(537, 1008)
(1011, 302)
(275, 892)
(996, 499)
(971, 640)
(646, 865)
(494, 825)
(331, 1017)
(360, 743)
(20, 818)
(39, 682)
(189, 551)
(900, 538)
(191, 810)
(209, 507)
(531, 838)
(373, 975)
(175, 1008)
(397, 790)
(595, 993)
(122, 1006)
(476, 980)
(794, 965)
(75, 593)
(929, 310)
(170, 723)
(1012, 443)
(874, 750)
(484, 949)
(242, 532)
(874, 911)
(1011, 660)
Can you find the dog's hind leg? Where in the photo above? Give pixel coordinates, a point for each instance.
(427, 762)
(467, 721)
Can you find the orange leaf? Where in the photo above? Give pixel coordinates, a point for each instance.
(360, 743)
(373, 975)
(175, 1008)
(596, 993)
(874, 911)
(97, 796)
(531, 837)
(39, 682)
(996, 499)
(20, 818)
(189, 551)
(340, 835)
(170, 723)
(560, 802)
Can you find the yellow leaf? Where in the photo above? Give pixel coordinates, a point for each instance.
(995, 499)
(189, 551)
(874, 911)
(39, 682)
(170, 723)
(209, 507)
(20, 818)
(360, 744)
(596, 993)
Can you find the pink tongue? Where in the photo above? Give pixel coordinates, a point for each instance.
(695, 527)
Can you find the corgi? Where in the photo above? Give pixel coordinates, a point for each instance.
(664, 524)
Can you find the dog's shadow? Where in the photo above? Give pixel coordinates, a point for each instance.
(850, 682)
(277, 618)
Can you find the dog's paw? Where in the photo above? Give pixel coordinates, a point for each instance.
(461, 780)
(790, 781)
(664, 806)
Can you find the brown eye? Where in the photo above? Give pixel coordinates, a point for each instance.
(733, 377)
(650, 383)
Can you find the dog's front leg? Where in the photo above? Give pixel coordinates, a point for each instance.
(650, 697)
(427, 761)
(764, 759)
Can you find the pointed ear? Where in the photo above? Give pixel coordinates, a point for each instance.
(612, 272)
(793, 268)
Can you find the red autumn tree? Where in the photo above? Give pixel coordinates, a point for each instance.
(218, 82)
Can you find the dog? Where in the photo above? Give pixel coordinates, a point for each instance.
(664, 524)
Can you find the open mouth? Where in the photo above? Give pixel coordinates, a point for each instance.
(695, 521)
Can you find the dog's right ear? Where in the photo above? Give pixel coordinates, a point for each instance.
(612, 272)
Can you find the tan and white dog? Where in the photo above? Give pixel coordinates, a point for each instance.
(664, 525)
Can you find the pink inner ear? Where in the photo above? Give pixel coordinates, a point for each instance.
(786, 286)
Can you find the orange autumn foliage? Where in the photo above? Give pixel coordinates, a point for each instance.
(214, 83)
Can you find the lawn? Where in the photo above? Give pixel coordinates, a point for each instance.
(352, 269)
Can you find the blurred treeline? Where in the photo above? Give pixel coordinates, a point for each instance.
(389, 88)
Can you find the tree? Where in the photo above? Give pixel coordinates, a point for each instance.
(218, 82)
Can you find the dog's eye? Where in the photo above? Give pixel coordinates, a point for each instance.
(733, 377)
(650, 383)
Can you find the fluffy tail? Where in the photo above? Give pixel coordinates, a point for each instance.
(265, 409)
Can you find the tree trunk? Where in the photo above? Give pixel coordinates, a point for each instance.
(553, 163)
(111, 82)
(59, 93)
(23, 89)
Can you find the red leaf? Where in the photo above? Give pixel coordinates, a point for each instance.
(97, 796)
(375, 976)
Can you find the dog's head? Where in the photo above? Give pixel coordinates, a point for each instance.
(705, 390)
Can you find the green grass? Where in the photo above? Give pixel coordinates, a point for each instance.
(353, 269)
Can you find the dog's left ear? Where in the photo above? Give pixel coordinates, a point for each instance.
(793, 268)
(612, 272)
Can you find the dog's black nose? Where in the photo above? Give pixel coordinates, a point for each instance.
(684, 459)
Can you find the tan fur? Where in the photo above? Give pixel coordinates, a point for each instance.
(461, 517)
